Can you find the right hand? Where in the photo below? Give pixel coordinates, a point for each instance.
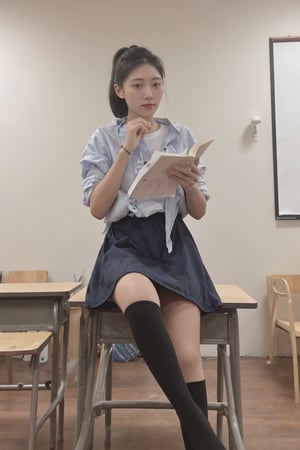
(136, 129)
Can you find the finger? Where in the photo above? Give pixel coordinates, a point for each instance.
(143, 128)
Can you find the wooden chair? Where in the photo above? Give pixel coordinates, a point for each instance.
(26, 276)
(20, 343)
(22, 276)
(31, 343)
(282, 291)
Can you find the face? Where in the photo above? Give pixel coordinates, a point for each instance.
(142, 91)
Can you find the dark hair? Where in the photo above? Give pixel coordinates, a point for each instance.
(127, 59)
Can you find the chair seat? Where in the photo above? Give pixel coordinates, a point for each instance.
(23, 342)
(285, 325)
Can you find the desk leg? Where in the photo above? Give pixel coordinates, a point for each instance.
(61, 411)
(220, 395)
(54, 375)
(235, 438)
(85, 345)
(86, 412)
(235, 365)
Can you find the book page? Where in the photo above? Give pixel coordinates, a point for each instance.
(152, 180)
(199, 148)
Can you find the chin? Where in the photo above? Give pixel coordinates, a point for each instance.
(147, 115)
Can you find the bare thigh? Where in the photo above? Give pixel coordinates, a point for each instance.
(134, 287)
(182, 319)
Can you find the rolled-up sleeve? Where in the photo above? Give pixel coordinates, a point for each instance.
(95, 163)
(201, 181)
(188, 138)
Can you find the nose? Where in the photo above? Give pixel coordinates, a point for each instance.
(148, 92)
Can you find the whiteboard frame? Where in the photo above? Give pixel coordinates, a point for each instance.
(285, 105)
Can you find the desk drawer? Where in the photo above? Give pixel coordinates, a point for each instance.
(215, 328)
(113, 327)
(32, 314)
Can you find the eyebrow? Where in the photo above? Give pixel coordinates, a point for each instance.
(142, 79)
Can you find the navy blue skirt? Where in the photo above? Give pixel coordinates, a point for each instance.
(138, 245)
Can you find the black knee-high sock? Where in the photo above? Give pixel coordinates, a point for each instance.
(198, 392)
(153, 340)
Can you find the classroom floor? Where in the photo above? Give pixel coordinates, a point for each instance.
(271, 417)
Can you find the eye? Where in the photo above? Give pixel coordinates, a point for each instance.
(137, 85)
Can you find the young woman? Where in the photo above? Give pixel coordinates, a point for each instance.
(149, 265)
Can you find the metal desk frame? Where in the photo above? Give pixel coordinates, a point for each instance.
(107, 327)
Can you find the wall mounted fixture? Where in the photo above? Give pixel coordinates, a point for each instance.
(255, 120)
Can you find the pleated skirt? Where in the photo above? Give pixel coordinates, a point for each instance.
(139, 245)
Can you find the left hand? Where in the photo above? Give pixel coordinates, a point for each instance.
(186, 176)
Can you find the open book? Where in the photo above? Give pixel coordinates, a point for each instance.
(153, 182)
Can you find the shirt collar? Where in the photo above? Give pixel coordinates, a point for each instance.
(173, 130)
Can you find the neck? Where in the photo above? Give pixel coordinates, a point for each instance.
(154, 126)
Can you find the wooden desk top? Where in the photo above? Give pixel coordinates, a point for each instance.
(231, 295)
(36, 289)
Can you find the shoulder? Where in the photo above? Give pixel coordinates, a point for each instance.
(110, 130)
(177, 130)
(105, 139)
(179, 137)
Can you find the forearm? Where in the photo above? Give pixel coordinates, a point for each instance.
(195, 201)
(105, 193)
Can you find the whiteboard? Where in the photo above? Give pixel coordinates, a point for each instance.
(285, 101)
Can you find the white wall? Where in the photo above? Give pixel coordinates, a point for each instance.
(55, 60)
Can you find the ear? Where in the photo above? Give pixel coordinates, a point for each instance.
(118, 90)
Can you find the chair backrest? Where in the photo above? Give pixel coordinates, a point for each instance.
(282, 287)
(293, 281)
(26, 276)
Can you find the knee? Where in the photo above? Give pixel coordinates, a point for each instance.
(134, 287)
(189, 358)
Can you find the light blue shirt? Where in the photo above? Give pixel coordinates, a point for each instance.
(99, 155)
